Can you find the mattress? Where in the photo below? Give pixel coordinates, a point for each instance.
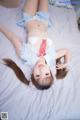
(62, 100)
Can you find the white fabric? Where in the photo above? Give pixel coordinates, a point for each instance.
(40, 16)
(62, 100)
(29, 53)
(35, 39)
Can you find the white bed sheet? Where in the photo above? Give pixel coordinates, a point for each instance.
(62, 100)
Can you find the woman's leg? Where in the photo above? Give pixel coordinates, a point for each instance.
(43, 5)
(30, 7)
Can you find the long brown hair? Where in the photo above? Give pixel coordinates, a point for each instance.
(20, 75)
(60, 74)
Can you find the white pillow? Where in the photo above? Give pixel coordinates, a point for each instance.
(61, 3)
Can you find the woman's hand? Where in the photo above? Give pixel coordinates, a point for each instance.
(61, 66)
(65, 54)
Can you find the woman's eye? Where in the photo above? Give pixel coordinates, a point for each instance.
(37, 75)
(47, 74)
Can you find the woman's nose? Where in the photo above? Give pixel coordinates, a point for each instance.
(42, 70)
(43, 76)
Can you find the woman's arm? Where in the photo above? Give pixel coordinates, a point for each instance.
(9, 3)
(65, 53)
(15, 40)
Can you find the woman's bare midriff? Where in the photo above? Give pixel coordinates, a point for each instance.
(37, 28)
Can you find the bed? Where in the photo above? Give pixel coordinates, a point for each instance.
(62, 100)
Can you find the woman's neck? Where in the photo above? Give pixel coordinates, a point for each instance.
(41, 60)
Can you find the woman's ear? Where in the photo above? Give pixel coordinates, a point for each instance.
(20, 75)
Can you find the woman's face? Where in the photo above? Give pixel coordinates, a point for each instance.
(41, 70)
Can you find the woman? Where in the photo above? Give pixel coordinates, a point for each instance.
(39, 52)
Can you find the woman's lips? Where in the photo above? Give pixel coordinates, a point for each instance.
(41, 65)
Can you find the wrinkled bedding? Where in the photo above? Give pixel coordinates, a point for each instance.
(62, 100)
